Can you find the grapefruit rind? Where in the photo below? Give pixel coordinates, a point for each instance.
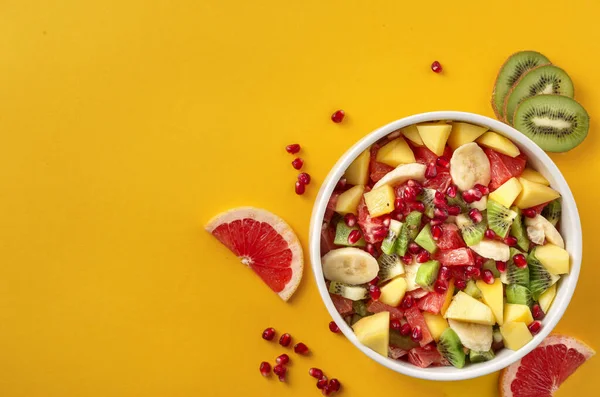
(281, 227)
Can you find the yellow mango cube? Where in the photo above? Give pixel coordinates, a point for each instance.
(358, 172)
(435, 136)
(448, 300)
(493, 296)
(555, 259)
(547, 298)
(374, 332)
(395, 153)
(500, 144)
(534, 176)
(393, 292)
(533, 194)
(380, 201)
(436, 324)
(515, 335)
(468, 309)
(464, 133)
(412, 134)
(517, 313)
(347, 202)
(507, 192)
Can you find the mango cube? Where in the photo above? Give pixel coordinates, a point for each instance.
(358, 172)
(347, 202)
(515, 335)
(380, 201)
(393, 292)
(500, 144)
(395, 153)
(547, 298)
(436, 324)
(412, 134)
(507, 192)
(464, 133)
(468, 309)
(434, 136)
(493, 296)
(374, 332)
(555, 259)
(533, 194)
(534, 176)
(517, 313)
(449, 295)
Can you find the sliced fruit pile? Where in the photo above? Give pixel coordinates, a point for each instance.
(536, 98)
(450, 254)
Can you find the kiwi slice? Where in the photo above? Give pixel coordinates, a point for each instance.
(403, 238)
(342, 231)
(390, 266)
(555, 123)
(388, 245)
(351, 292)
(490, 265)
(403, 342)
(552, 212)
(479, 357)
(471, 289)
(412, 223)
(425, 239)
(518, 294)
(539, 278)
(360, 308)
(471, 232)
(547, 79)
(515, 275)
(427, 197)
(427, 274)
(518, 231)
(458, 200)
(499, 218)
(512, 70)
(450, 347)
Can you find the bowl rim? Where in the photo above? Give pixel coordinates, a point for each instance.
(567, 284)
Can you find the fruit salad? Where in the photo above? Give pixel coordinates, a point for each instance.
(440, 245)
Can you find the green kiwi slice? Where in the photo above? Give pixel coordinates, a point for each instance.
(514, 67)
(352, 292)
(471, 232)
(360, 308)
(539, 278)
(490, 265)
(427, 274)
(547, 79)
(342, 231)
(472, 290)
(412, 223)
(518, 294)
(425, 239)
(499, 218)
(388, 245)
(427, 197)
(403, 238)
(479, 357)
(514, 274)
(518, 231)
(390, 266)
(450, 347)
(552, 212)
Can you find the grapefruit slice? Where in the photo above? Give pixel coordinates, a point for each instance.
(541, 372)
(264, 242)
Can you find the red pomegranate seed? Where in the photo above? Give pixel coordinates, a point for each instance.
(537, 312)
(479, 261)
(397, 215)
(353, 237)
(520, 261)
(405, 329)
(265, 368)
(460, 284)
(341, 184)
(334, 384)
(440, 214)
(374, 292)
(422, 256)
(300, 188)
(283, 359)
(501, 266)
(375, 281)
(338, 116)
(416, 334)
(268, 334)
(414, 248)
(436, 67)
(322, 382)
(443, 162)
(395, 324)
(301, 348)
(510, 241)
(489, 233)
(315, 373)
(475, 215)
(440, 287)
(416, 206)
(529, 212)
(280, 371)
(535, 327)
(333, 327)
(293, 148)
(380, 232)
(386, 220)
(488, 276)
(451, 191)
(304, 178)
(410, 193)
(431, 171)
(415, 184)
(444, 273)
(436, 222)
(285, 340)
(371, 249)
(482, 189)
(297, 163)
(453, 210)
(472, 271)
(408, 259)
(407, 302)
(439, 200)
(436, 232)
(350, 220)
(468, 196)
(399, 203)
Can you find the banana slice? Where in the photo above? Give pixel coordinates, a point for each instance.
(410, 274)
(492, 250)
(473, 336)
(536, 234)
(550, 232)
(403, 173)
(469, 166)
(349, 266)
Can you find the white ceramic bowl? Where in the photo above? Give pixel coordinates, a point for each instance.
(570, 228)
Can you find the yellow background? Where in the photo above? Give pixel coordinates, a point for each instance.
(126, 125)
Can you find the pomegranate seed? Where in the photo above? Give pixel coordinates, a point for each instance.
(399, 203)
(371, 249)
(301, 348)
(422, 256)
(322, 382)
(293, 148)
(436, 222)
(397, 215)
(439, 199)
(510, 241)
(268, 334)
(440, 214)
(405, 329)
(353, 237)
(520, 261)
(475, 215)
(338, 116)
(375, 281)
(374, 292)
(265, 368)
(380, 232)
(436, 232)
(334, 384)
(451, 191)
(300, 188)
(443, 162)
(283, 359)
(444, 273)
(341, 184)
(315, 373)
(440, 286)
(501, 266)
(436, 67)
(280, 371)
(468, 196)
(416, 334)
(482, 189)
(472, 271)
(535, 327)
(489, 233)
(395, 324)
(304, 178)
(415, 184)
(386, 221)
(530, 212)
(407, 302)
(453, 210)
(477, 194)
(285, 340)
(410, 193)
(297, 163)
(537, 312)
(333, 327)
(414, 248)
(431, 171)
(460, 284)
(416, 206)
(488, 276)
(407, 259)
(350, 220)
(479, 261)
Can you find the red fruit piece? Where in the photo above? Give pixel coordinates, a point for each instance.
(303, 177)
(342, 305)
(503, 167)
(440, 183)
(538, 208)
(297, 163)
(423, 357)
(280, 371)
(436, 67)
(338, 116)
(322, 383)
(285, 340)
(268, 334)
(378, 307)
(451, 238)
(416, 335)
(265, 368)
(315, 373)
(300, 188)
(282, 359)
(395, 352)
(405, 329)
(333, 327)
(456, 257)
(293, 148)
(432, 302)
(334, 384)
(370, 226)
(374, 292)
(301, 348)
(424, 155)
(415, 318)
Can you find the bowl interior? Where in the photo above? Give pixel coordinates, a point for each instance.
(570, 229)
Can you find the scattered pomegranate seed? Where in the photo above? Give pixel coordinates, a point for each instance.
(293, 148)
(535, 327)
(472, 271)
(371, 249)
(297, 163)
(407, 302)
(482, 189)
(374, 292)
(410, 193)
(416, 334)
(375, 281)
(488, 276)
(353, 237)
(304, 178)
(386, 220)
(268, 334)
(333, 327)
(334, 384)
(315, 373)
(405, 329)
(501, 266)
(444, 273)
(460, 284)
(436, 232)
(338, 116)
(510, 241)
(283, 359)
(300, 188)
(451, 191)
(280, 371)
(350, 220)
(439, 200)
(300, 348)
(341, 184)
(414, 248)
(436, 222)
(440, 287)
(423, 256)
(431, 171)
(530, 212)
(322, 383)
(285, 340)
(395, 324)
(489, 233)
(440, 214)
(265, 368)
(520, 261)
(443, 162)
(468, 196)
(436, 67)
(475, 215)
(408, 259)
(537, 312)
(453, 210)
